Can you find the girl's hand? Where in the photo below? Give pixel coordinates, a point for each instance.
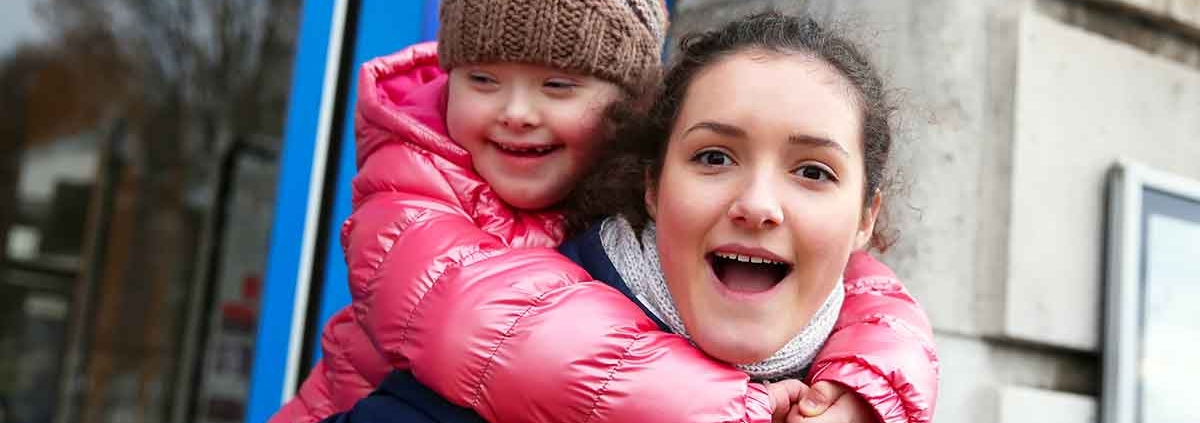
(829, 402)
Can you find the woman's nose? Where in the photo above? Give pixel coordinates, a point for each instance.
(757, 207)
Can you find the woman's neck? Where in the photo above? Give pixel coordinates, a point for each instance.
(635, 256)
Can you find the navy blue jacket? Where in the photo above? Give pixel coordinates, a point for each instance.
(402, 399)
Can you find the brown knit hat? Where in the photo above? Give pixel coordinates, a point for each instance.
(616, 40)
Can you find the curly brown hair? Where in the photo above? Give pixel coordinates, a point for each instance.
(634, 157)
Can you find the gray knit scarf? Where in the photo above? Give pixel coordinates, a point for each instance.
(637, 262)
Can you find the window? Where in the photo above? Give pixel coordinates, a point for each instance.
(1153, 283)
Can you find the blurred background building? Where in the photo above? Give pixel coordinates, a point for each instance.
(138, 162)
(176, 171)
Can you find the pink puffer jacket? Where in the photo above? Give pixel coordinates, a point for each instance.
(468, 293)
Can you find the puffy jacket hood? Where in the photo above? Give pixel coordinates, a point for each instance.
(405, 94)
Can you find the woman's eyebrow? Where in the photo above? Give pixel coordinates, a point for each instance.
(815, 141)
(732, 131)
(724, 129)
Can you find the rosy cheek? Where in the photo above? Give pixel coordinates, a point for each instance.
(821, 232)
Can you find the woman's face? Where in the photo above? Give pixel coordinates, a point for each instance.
(760, 200)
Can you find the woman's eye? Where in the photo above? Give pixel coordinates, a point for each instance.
(815, 173)
(713, 158)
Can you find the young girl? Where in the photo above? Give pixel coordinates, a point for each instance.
(448, 247)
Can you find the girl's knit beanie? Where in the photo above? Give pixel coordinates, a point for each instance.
(616, 40)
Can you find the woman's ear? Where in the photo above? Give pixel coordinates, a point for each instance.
(651, 197)
(866, 226)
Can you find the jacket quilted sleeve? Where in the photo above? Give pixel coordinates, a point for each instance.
(882, 346)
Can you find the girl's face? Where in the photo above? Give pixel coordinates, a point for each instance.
(531, 130)
(760, 200)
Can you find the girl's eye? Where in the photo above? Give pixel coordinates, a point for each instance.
(480, 78)
(815, 173)
(713, 158)
(559, 85)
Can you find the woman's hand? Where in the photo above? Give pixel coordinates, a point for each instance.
(783, 395)
(830, 402)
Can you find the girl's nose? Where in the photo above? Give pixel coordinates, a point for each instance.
(519, 112)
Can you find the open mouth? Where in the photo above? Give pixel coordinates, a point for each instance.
(526, 151)
(745, 273)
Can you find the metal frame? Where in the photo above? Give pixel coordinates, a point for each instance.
(1124, 297)
(208, 264)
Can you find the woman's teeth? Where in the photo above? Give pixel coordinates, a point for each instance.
(746, 259)
(745, 273)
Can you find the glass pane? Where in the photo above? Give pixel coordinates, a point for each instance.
(1170, 320)
(138, 157)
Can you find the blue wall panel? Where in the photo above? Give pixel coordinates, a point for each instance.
(384, 26)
